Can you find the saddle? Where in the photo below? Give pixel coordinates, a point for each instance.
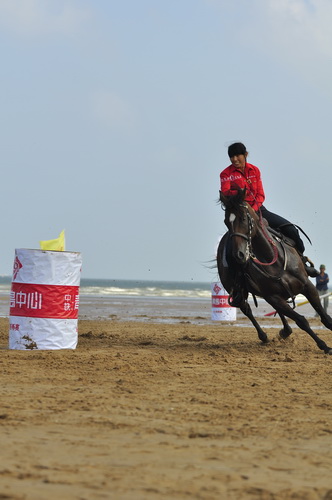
(279, 236)
(239, 293)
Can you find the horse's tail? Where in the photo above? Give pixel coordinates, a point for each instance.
(300, 229)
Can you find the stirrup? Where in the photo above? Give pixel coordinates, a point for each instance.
(306, 259)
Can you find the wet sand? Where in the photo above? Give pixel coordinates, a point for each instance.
(158, 310)
(149, 410)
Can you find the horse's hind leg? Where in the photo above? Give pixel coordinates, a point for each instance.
(246, 309)
(311, 294)
(281, 306)
(286, 330)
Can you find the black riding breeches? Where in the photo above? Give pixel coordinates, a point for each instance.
(284, 226)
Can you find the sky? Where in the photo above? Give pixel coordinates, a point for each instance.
(116, 117)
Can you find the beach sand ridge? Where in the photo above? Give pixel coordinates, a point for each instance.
(176, 411)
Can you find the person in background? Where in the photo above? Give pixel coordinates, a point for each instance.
(321, 284)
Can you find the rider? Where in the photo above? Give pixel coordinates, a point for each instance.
(240, 175)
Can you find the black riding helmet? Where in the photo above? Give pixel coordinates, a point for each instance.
(237, 149)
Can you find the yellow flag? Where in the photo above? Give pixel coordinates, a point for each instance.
(58, 244)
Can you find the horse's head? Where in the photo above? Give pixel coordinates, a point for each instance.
(240, 220)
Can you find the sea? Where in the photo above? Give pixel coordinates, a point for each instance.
(140, 300)
(146, 301)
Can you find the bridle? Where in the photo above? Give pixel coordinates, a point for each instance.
(248, 238)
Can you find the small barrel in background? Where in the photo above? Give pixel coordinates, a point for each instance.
(221, 310)
(44, 299)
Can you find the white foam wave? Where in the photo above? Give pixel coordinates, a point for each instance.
(144, 292)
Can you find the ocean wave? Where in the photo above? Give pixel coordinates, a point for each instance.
(107, 288)
(144, 292)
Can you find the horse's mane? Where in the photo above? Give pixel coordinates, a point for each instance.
(233, 201)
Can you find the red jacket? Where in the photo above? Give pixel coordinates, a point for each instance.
(249, 179)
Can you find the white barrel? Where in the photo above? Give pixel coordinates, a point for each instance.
(44, 299)
(221, 310)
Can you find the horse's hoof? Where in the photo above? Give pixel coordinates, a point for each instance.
(328, 351)
(283, 334)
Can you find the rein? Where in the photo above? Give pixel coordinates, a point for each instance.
(270, 240)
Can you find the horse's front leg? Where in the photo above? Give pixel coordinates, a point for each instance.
(283, 308)
(246, 309)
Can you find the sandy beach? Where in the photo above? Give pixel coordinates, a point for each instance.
(145, 410)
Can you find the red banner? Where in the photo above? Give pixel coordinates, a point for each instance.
(44, 301)
(220, 301)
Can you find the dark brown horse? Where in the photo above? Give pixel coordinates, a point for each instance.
(252, 257)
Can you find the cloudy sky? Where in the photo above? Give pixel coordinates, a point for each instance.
(116, 117)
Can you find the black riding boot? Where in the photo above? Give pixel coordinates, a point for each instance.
(311, 271)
